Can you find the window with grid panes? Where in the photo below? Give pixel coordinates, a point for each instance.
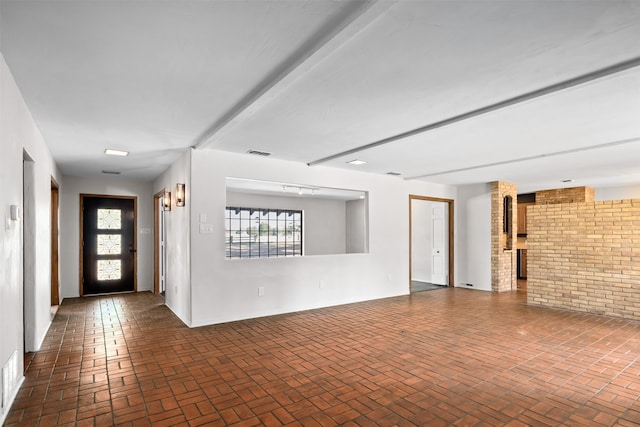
(262, 233)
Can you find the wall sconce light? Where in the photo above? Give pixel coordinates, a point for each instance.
(166, 200)
(180, 195)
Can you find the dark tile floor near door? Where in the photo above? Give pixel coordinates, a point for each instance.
(452, 357)
(417, 286)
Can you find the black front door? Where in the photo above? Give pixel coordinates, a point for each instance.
(108, 244)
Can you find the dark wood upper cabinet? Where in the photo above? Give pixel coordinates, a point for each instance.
(522, 218)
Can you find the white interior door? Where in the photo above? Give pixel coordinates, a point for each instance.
(439, 243)
(420, 241)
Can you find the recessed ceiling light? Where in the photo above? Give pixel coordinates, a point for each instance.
(568, 180)
(113, 152)
(357, 162)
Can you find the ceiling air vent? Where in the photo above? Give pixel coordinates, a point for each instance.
(394, 173)
(259, 153)
(111, 172)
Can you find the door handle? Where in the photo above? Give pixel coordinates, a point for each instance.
(131, 250)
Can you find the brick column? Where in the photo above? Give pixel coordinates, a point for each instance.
(503, 244)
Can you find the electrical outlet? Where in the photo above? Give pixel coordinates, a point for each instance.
(261, 291)
(321, 284)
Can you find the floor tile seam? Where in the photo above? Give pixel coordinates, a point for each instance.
(629, 410)
(48, 384)
(516, 417)
(556, 346)
(575, 411)
(513, 389)
(130, 359)
(48, 387)
(618, 375)
(109, 300)
(164, 376)
(585, 369)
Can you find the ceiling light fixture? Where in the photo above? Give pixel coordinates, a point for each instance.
(357, 162)
(114, 152)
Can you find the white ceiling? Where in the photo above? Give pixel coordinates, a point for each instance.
(308, 80)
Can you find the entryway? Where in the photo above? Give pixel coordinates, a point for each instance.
(431, 243)
(107, 244)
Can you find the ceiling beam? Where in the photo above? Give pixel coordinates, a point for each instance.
(331, 37)
(585, 78)
(524, 159)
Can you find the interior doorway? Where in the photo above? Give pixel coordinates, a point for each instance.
(159, 254)
(107, 244)
(55, 246)
(431, 243)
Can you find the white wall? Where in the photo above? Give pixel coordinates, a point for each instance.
(473, 236)
(617, 193)
(178, 235)
(18, 132)
(357, 220)
(70, 192)
(225, 290)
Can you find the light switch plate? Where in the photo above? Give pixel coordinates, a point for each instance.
(206, 228)
(16, 212)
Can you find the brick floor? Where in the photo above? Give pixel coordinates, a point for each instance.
(439, 358)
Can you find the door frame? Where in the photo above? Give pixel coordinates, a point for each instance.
(55, 243)
(450, 203)
(28, 252)
(135, 236)
(156, 240)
